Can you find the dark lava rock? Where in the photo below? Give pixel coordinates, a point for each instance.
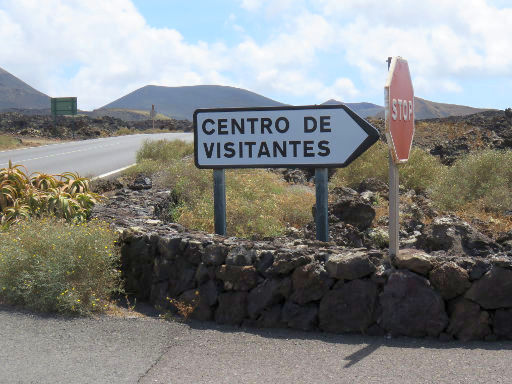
(214, 254)
(349, 265)
(286, 262)
(373, 185)
(141, 182)
(493, 290)
(503, 323)
(455, 236)
(410, 306)
(271, 318)
(201, 301)
(241, 256)
(181, 277)
(310, 282)
(350, 308)
(450, 280)
(414, 260)
(268, 293)
(232, 308)
(237, 278)
(350, 208)
(303, 317)
(467, 321)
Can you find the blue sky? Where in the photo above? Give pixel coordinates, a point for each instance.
(294, 51)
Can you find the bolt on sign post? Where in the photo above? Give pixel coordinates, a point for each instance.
(399, 115)
(279, 137)
(64, 106)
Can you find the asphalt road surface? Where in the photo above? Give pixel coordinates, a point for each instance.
(87, 157)
(39, 349)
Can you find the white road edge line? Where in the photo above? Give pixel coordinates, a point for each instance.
(113, 172)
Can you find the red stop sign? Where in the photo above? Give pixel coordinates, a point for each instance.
(399, 104)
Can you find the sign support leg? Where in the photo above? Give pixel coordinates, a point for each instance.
(219, 201)
(322, 223)
(394, 204)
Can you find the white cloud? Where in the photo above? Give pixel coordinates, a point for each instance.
(115, 51)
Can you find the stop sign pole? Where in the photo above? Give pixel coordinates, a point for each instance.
(399, 115)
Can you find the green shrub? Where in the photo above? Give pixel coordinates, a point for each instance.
(164, 150)
(419, 173)
(66, 195)
(51, 266)
(8, 142)
(258, 203)
(482, 178)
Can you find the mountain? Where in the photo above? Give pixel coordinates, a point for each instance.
(15, 94)
(424, 109)
(181, 102)
(362, 109)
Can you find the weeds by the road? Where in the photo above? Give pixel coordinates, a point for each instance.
(9, 142)
(52, 266)
(259, 203)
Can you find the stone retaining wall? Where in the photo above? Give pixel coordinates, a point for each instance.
(309, 286)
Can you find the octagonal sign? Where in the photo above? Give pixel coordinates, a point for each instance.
(399, 109)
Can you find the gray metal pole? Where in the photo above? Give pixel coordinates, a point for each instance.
(219, 201)
(394, 205)
(322, 193)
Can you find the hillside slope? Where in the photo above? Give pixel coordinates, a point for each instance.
(181, 102)
(16, 94)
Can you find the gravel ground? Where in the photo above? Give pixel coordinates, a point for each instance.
(45, 349)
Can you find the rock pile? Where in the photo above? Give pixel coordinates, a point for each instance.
(309, 285)
(81, 127)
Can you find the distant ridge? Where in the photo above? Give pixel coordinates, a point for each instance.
(181, 102)
(424, 109)
(16, 94)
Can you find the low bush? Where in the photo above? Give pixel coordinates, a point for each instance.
(21, 196)
(53, 266)
(258, 203)
(483, 179)
(8, 142)
(164, 151)
(419, 173)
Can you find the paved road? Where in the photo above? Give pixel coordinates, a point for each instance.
(88, 157)
(36, 349)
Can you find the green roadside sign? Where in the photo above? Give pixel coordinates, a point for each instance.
(62, 106)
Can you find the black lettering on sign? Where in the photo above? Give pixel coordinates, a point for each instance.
(241, 149)
(307, 121)
(240, 127)
(308, 148)
(281, 149)
(250, 144)
(266, 123)
(228, 147)
(252, 120)
(286, 125)
(208, 151)
(208, 121)
(324, 146)
(325, 122)
(222, 124)
(218, 150)
(294, 144)
(263, 150)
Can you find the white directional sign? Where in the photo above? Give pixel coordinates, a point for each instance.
(308, 136)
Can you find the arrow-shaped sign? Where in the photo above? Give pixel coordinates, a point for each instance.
(277, 137)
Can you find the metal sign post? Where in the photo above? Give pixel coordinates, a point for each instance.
(219, 201)
(321, 214)
(318, 136)
(399, 115)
